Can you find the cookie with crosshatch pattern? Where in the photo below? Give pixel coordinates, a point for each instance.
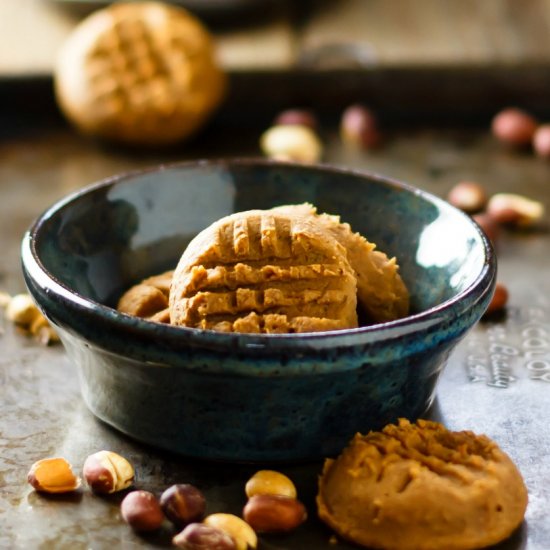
(263, 271)
(142, 73)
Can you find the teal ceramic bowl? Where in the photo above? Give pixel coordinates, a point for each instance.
(244, 397)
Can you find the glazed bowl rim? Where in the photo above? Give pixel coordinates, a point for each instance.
(428, 318)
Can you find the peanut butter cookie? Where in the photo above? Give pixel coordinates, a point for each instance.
(422, 487)
(148, 299)
(142, 73)
(267, 272)
(381, 291)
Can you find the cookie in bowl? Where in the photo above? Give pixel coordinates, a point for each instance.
(283, 270)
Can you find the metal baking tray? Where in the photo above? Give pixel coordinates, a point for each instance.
(496, 382)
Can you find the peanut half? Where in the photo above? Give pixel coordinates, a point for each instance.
(516, 210)
(53, 475)
(242, 533)
(270, 482)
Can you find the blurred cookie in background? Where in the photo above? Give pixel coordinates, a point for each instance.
(140, 73)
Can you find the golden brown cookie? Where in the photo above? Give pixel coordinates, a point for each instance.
(422, 487)
(148, 299)
(263, 271)
(381, 291)
(140, 73)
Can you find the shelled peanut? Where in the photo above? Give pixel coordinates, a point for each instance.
(53, 475)
(514, 126)
(499, 300)
(219, 531)
(291, 142)
(518, 128)
(272, 505)
(469, 196)
(240, 531)
(198, 536)
(359, 127)
(21, 311)
(515, 210)
(182, 504)
(141, 510)
(107, 472)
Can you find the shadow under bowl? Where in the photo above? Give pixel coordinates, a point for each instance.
(249, 397)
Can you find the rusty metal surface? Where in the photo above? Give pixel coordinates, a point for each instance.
(497, 381)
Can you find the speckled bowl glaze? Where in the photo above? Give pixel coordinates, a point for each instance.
(244, 397)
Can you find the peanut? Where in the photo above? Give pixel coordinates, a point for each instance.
(53, 475)
(141, 510)
(514, 127)
(270, 482)
(197, 536)
(298, 143)
(242, 534)
(274, 513)
(107, 472)
(359, 127)
(499, 299)
(515, 210)
(183, 504)
(21, 310)
(469, 196)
